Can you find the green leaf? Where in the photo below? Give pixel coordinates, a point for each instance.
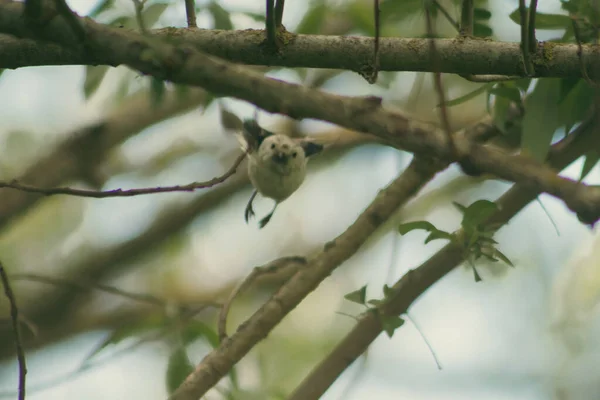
(438, 234)
(157, 91)
(477, 213)
(102, 6)
(411, 226)
(358, 296)
(482, 30)
(313, 19)
(387, 291)
(501, 256)
(544, 21)
(152, 13)
(511, 93)
(220, 16)
(523, 84)
(576, 105)
(94, 74)
(375, 302)
(476, 275)
(471, 95)
(128, 331)
(391, 323)
(460, 207)
(196, 330)
(178, 368)
(591, 159)
(541, 118)
(481, 13)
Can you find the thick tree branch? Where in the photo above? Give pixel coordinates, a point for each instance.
(415, 282)
(461, 56)
(215, 365)
(184, 65)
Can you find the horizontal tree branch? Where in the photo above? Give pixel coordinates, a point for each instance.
(415, 282)
(463, 56)
(363, 114)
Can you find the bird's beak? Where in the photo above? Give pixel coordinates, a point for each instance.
(280, 158)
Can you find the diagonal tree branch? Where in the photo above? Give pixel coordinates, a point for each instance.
(216, 364)
(414, 283)
(184, 65)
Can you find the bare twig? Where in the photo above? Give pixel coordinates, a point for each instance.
(490, 78)
(531, 26)
(437, 78)
(578, 39)
(139, 297)
(417, 281)
(14, 314)
(446, 15)
(466, 18)
(139, 7)
(216, 364)
(274, 267)
(527, 61)
(190, 13)
(270, 24)
(99, 194)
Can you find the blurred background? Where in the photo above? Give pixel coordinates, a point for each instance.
(525, 333)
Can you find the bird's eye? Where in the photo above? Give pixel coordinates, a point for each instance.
(272, 145)
(294, 154)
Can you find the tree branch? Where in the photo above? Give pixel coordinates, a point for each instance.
(190, 13)
(216, 364)
(415, 282)
(99, 194)
(184, 65)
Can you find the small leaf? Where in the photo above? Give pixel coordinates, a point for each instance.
(482, 30)
(387, 291)
(313, 19)
(438, 234)
(460, 207)
(391, 323)
(178, 368)
(476, 275)
(523, 83)
(375, 302)
(358, 296)
(195, 330)
(411, 226)
(220, 16)
(471, 95)
(541, 118)
(102, 6)
(229, 120)
(157, 91)
(94, 74)
(152, 13)
(503, 257)
(591, 159)
(481, 13)
(511, 93)
(477, 213)
(544, 21)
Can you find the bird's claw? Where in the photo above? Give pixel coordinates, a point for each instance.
(249, 213)
(264, 221)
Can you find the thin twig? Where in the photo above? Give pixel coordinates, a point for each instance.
(274, 267)
(270, 24)
(437, 77)
(139, 7)
(429, 346)
(578, 39)
(99, 194)
(490, 78)
(14, 315)
(190, 13)
(527, 62)
(531, 26)
(140, 297)
(466, 18)
(447, 15)
(279, 13)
